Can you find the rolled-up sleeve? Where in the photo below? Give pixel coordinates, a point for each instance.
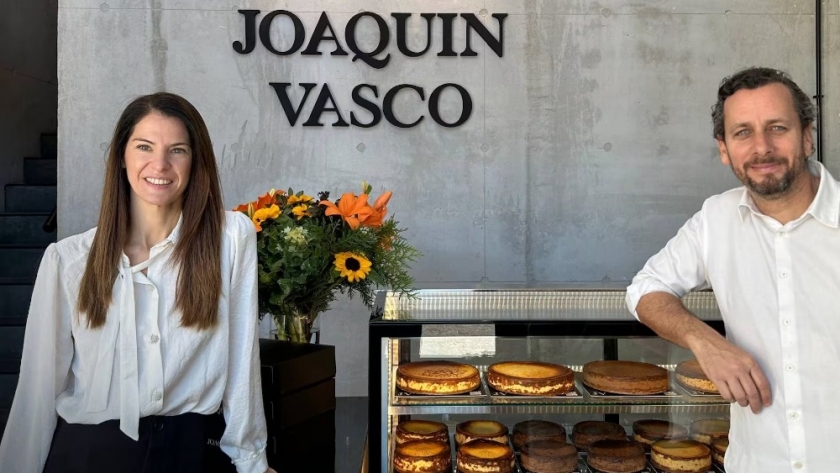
(44, 369)
(244, 439)
(677, 269)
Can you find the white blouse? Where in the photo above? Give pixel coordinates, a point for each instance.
(141, 362)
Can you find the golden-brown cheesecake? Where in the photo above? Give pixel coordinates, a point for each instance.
(422, 430)
(489, 430)
(588, 431)
(648, 431)
(625, 377)
(437, 377)
(549, 456)
(707, 430)
(719, 447)
(531, 430)
(422, 456)
(681, 456)
(530, 378)
(616, 456)
(485, 456)
(690, 375)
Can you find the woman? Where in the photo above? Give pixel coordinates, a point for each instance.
(144, 325)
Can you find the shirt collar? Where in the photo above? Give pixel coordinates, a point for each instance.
(176, 232)
(825, 207)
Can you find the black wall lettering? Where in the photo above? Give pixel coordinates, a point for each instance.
(388, 105)
(292, 114)
(402, 43)
(367, 105)
(265, 32)
(384, 37)
(434, 106)
(250, 32)
(320, 107)
(318, 36)
(473, 23)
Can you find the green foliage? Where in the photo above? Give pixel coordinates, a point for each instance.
(297, 254)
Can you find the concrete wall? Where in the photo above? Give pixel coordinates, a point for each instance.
(589, 144)
(28, 84)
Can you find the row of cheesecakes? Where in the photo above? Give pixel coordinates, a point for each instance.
(423, 447)
(534, 378)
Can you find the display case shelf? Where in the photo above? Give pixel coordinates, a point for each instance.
(551, 409)
(528, 324)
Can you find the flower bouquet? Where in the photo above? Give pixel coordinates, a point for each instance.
(310, 249)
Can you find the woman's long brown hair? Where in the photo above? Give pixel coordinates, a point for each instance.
(197, 253)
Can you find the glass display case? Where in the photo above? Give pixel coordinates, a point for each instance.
(483, 327)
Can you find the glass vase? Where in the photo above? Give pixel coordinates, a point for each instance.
(298, 327)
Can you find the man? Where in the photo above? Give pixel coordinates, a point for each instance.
(771, 252)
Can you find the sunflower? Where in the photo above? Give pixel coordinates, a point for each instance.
(352, 266)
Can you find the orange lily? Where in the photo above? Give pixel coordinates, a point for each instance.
(262, 202)
(351, 208)
(379, 210)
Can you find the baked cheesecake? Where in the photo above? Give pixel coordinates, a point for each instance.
(719, 447)
(437, 377)
(648, 431)
(489, 430)
(616, 456)
(422, 430)
(588, 431)
(485, 456)
(422, 456)
(681, 456)
(690, 375)
(625, 377)
(531, 430)
(707, 430)
(548, 456)
(530, 378)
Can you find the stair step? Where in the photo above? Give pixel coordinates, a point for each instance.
(40, 171)
(10, 366)
(49, 145)
(11, 343)
(20, 262)
(8, 384)
(24, 228)
(14, 301)
(25, 198)
(12, 321)
(4, 417)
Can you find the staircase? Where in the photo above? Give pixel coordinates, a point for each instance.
(27, 227)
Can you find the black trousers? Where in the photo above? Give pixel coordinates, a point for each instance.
(167, 444)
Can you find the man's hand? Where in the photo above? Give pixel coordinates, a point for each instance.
(270, 470)
(734, 372)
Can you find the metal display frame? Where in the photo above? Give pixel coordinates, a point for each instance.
(518, 313)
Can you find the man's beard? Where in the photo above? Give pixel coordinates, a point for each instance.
(770, 187)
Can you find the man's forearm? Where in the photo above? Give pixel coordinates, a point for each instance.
(666, 315)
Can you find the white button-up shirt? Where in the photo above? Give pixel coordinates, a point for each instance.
(141, 362)
(778, 289)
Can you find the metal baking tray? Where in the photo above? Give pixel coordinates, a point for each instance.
(400, 396)
(694, 393)
(596, 395)
(573, 396)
